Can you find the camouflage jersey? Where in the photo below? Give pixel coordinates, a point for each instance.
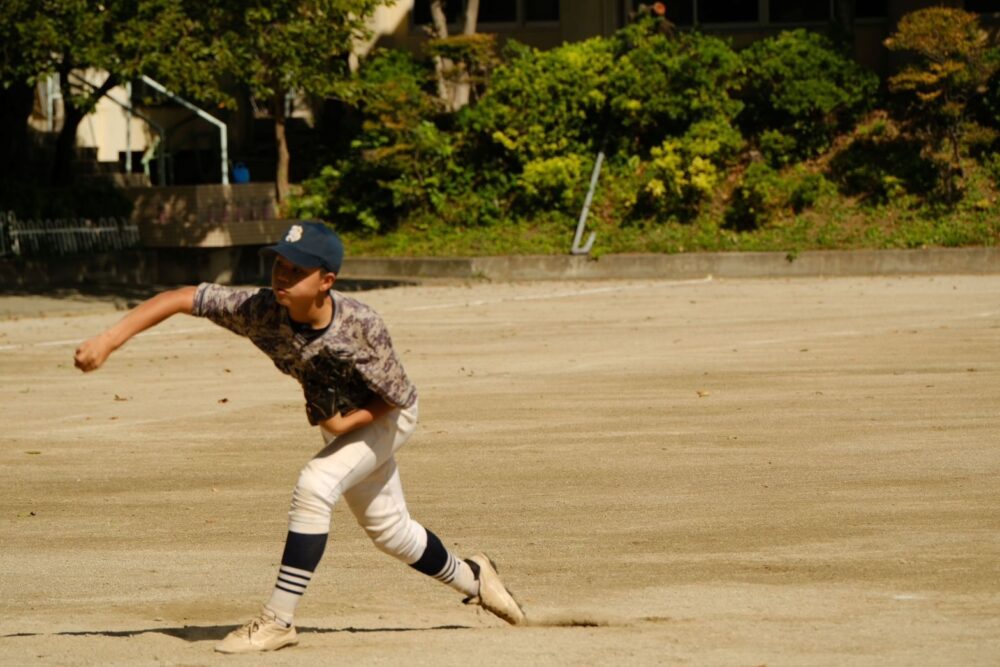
(340, 370)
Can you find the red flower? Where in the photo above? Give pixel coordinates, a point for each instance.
(659, 8)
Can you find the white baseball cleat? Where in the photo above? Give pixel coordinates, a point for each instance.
(264, 633)
(493, 595)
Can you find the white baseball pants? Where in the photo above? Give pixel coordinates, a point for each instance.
(360, 467)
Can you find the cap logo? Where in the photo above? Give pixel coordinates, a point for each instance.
(294, 234)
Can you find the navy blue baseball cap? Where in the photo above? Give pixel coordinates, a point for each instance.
(311, 245)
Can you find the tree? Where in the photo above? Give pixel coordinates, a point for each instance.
(17, 72)
(117, 39)
(455, 57)
(950, 64)
(276, 47)
(799, 91)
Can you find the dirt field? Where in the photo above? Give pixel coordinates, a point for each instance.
(703, 472)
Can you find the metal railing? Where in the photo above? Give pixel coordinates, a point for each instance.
(64, 236)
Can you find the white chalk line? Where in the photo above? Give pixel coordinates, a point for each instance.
(77, 341)
(847, 333)
(561, 295)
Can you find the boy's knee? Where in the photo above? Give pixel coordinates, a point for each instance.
(401, 538)
(312, 501)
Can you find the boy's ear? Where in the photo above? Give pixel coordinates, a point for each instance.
(329, 278)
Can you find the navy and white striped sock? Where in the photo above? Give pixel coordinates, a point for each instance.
(298, 562)
(441, 564)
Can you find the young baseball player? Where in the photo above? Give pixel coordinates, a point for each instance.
(359, 396)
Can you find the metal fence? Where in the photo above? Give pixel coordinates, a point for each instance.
(64, 236)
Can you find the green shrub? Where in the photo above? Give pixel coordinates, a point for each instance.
(984, 106)
(949, 63)
(764, 193)
(799, 91)
(661, 85)
(543, 104)
(400, 160)
(553, 181)
(881, 164)
(991, 163)
(778, 149)
(682, 173)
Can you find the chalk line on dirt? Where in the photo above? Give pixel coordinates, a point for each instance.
(77, 341)
(561, 295)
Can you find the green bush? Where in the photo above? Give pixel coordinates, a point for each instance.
(553, 181)
(509, 172)
(991, 163)
(984, 106)
(881, 164)
(400, 160)
(661, 85)
(682, 173)
(543, 104)
(764, 193)
(949, 63)
(642, 95)
(798, 92)
(778, 149)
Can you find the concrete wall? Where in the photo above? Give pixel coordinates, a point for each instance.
(687, 265)
(206, 216)
(243, 265)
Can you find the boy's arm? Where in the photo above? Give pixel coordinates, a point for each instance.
(92, 353)
(340, 424)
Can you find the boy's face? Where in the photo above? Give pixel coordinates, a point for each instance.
(294, 285)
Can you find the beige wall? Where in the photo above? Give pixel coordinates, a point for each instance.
(105, 128)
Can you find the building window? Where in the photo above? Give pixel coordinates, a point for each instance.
(492, 11)
(540, 11)
(772, 12)
(871, 9)
(680, 12)
(422, 11)
(982, 6)
(728, 11)
(497, 11)
(790, 11)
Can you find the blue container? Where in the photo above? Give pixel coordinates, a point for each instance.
(240, 173)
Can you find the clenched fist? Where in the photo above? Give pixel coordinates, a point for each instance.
(93, 353)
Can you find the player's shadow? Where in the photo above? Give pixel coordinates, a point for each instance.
(200, 633)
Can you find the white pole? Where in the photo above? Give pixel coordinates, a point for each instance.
(50, 103)
(128, 128)
(223, 144)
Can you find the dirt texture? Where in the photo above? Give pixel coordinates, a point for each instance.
(707, 472)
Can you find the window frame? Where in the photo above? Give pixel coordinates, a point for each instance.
(520, 21)
(763, 17)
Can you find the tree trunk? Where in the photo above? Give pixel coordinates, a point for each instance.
(463, 87)
(442, 66)
(16, 103)
(453, 91)
(73, 115)
(439, 19)
(281, 143)
(471, 17)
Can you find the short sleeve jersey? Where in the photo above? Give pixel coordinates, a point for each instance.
(340, 370)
